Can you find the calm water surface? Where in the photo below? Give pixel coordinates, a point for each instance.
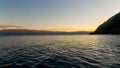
(60, 51)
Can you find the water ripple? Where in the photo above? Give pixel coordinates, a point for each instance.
(78, 51)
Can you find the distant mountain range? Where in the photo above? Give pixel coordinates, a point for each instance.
(111, 26)
(38, 32)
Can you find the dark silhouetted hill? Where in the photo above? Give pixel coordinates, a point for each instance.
(111, 26)
(38, 32)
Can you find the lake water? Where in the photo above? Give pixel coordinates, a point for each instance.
(60, 51)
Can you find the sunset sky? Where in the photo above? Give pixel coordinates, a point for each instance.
(56, 15)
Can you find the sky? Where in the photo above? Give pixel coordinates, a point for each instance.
(56, 15)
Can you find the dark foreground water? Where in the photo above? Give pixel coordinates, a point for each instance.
(60, 51)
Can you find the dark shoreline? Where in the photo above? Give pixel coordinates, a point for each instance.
(39, 32)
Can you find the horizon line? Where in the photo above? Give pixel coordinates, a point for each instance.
(47, 30)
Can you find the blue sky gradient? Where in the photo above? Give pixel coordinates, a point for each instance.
(68, 15)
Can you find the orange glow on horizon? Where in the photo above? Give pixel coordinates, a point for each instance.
(58, 28)
(64, 28)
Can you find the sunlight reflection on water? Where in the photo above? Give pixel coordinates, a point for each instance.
(60, 51)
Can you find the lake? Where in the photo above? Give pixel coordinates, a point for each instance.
(60, 51)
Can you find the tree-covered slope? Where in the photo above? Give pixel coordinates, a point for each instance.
(111, 26)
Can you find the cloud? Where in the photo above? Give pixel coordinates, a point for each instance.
(10, 26)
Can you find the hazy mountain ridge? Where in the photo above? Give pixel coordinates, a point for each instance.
(38, 32)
